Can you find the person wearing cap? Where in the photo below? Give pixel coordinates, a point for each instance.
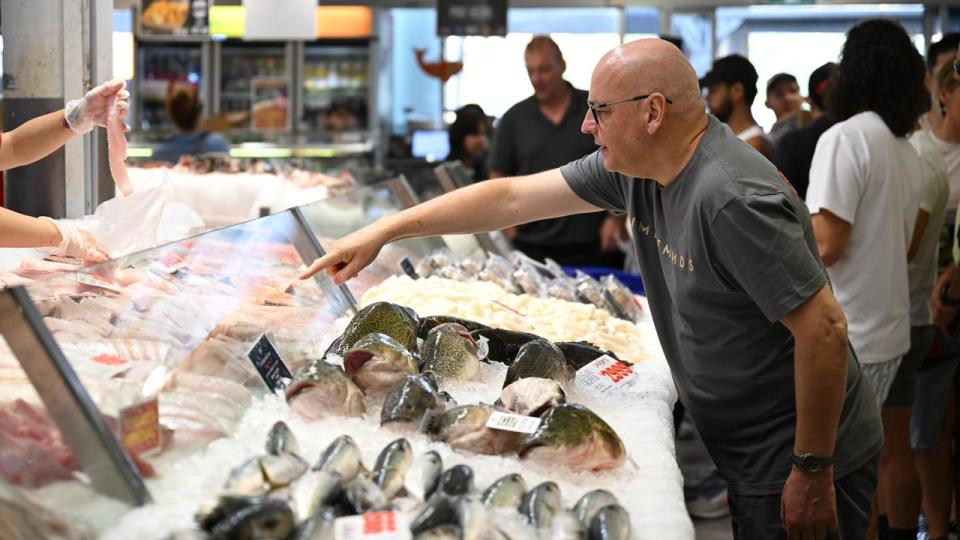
(864, 195)
(794, 150)
(543, 132)
(731, 88)
(784, 99)
(39, 137)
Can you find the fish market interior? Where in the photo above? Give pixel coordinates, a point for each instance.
(479, 270)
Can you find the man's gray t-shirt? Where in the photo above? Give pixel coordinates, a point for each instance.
(727, 250)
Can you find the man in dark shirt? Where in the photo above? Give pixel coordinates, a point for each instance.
(541, 133)
(795, 149)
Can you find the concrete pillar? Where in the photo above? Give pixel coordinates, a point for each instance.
(55, 50)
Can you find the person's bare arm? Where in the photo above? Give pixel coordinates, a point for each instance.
(833, 236)
(486, 206)
(20, 231)
(509, 232)
(39, 137)
(819, 330)
(923, 217)
(34, 140)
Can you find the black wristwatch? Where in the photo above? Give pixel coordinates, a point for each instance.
(945, 298)
(811, 462)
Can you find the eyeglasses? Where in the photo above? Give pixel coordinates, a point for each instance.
(594, 107)
(956, 66)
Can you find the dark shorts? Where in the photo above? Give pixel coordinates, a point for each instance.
(904, 387)
(934, 382)
(758, 517)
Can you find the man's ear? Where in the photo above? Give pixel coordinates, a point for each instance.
(736, 91)
(655, 112)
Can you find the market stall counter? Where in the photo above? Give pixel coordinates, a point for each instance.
(437, 407)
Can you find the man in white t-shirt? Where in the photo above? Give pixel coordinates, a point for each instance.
(864, 196)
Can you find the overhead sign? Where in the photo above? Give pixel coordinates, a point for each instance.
(272, 20)
(174, 18)
(472, 17)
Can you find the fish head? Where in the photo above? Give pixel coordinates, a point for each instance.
(575, 436)
(319, 389)
(409, 400)
(399, 322)
(532, 396)
(377, 360)
(539, 358)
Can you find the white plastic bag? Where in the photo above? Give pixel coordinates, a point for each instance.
(143, 220)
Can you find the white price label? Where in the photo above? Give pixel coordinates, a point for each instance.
(513, 422)
(606, 373)
(94, 281)
(381, 525)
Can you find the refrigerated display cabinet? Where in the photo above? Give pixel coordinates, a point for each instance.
(167, 332)
(336, 90)
(256, 78)
(158, 336)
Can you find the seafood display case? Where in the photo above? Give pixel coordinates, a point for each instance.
(113, 373)
(201, 390)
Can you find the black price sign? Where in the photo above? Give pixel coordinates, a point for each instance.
(175, 18)
(472, 17)
(408, 268)
(269, 364)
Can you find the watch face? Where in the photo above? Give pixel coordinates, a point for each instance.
(810, 463)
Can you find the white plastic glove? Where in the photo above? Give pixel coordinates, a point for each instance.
(90, 110)
(77, 243)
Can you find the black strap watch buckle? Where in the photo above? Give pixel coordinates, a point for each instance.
(812, 462)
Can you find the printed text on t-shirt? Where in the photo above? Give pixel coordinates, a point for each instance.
(667, 252)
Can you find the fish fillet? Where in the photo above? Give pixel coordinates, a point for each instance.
(117, 150)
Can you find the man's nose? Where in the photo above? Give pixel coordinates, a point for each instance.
(588, 126)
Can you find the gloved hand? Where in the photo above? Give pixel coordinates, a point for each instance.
(90, 110)
(77, 243)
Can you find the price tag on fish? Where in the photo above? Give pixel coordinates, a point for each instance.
(382, 525)
(269, 365)
(140, 427)
(513, 422)
(94, 281)
(605, 374)
(407, 266)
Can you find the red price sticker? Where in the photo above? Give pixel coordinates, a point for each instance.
(379, 522)
(380, 525)
(616, 372)
(140, 427)
(605, 374)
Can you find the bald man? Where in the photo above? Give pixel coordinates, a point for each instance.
(754, 337)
